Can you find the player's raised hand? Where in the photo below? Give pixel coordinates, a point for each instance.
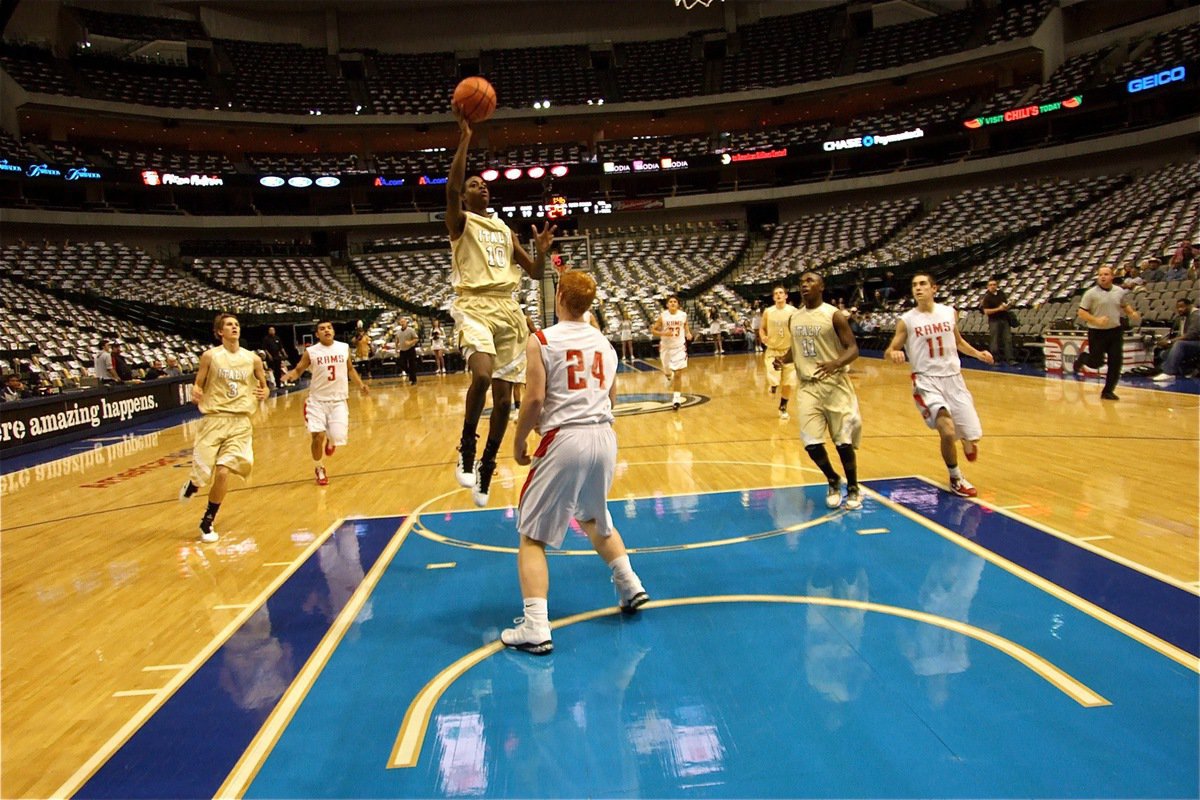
(897, 356)
(545, 237)
(464, 127)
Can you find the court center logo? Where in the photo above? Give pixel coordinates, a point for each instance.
(630, 404)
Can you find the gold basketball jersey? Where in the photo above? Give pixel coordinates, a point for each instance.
(814, 339)
(775, 320)
(483, 257)
(229, 386)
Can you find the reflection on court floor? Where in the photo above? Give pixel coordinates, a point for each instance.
(789, 651)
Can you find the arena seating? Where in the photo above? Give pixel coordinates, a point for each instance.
(785, 50)
(306, 163)
(919, 40)
(35, 69)
(66, 335)
(285, 79)
(125, 81)
(562, 75)
(136, 27)
(672, 62)
(120, 272)
(298, 280)
(1017, 19)
(410, 83)
(179, 161)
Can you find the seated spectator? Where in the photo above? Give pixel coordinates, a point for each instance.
(1134, 282)
(1153, 271)
(13, 389)
(156, 371)
(172, 370)
(1185, 345)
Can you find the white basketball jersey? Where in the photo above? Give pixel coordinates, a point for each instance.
(329, 366)
(931, 346)
(672, 328)
(580, 368)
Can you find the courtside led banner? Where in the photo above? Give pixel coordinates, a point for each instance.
(1024, 112)
(753, 155)
(152, 177)
(871, 140)
(1145, 82)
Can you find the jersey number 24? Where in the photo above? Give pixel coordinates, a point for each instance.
(577, 371)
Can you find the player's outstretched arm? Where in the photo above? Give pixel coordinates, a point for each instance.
(455, 219)
(895, 350)
(965, 347)
(295, 372)
(532, 402)
(262, 391)
(358, 381)
(201, 377)
(849, 347)
(535, 265)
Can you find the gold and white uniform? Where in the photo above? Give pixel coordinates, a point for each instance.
(827, 405)
(226, 436)
(775, 320)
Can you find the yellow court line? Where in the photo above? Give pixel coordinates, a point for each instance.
(1092, 538)
(164, 667)
(424, 532)
(871, 531)
(442, 565)
(136, 692)
(230, 606)
(406, 751)
(1079, 542)
(252, 759)
(115, 742)
(1146, 638)
(278, 563)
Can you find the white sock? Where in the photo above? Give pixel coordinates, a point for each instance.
(675, 399)
(536, 613)
(956, 473)
(624, 576)
(318, 464)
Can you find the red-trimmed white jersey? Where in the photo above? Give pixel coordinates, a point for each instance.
(580, 368)
(329, 366)
(931, 346)
(672, 329)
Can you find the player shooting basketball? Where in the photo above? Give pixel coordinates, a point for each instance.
(490, 327)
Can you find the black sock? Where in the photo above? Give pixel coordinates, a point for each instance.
(489, 451)
(468, 436)
(517, 405)
(849, 463)
(783, 404)
(209, 516)
(817, 453)
(191, 489)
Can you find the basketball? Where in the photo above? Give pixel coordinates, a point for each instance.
(475, 97)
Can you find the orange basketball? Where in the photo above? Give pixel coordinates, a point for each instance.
(475, 97)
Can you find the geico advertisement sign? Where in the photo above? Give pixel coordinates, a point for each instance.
(1158, 79)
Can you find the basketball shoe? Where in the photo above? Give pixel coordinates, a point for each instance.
(208, 535)
(482, 486)
(833, 495)
(631, 598)
(528, 637)
(464, 468)
(853, 499)
(322, 478)
(963, 488)
(784, 415)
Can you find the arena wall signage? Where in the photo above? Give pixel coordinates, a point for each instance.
(557, 207)
(753, 155)
(870, 140)
(152, 177)
(1157, 79)
(47, 171)
(665, 164)
(31, 424)
(1024, 112)
(382, 181)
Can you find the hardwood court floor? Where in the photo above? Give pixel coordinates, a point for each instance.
(104, 597)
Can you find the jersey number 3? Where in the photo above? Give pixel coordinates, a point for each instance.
(577, 369)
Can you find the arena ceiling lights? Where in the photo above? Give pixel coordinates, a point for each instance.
(300, 181)
(536, 172)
